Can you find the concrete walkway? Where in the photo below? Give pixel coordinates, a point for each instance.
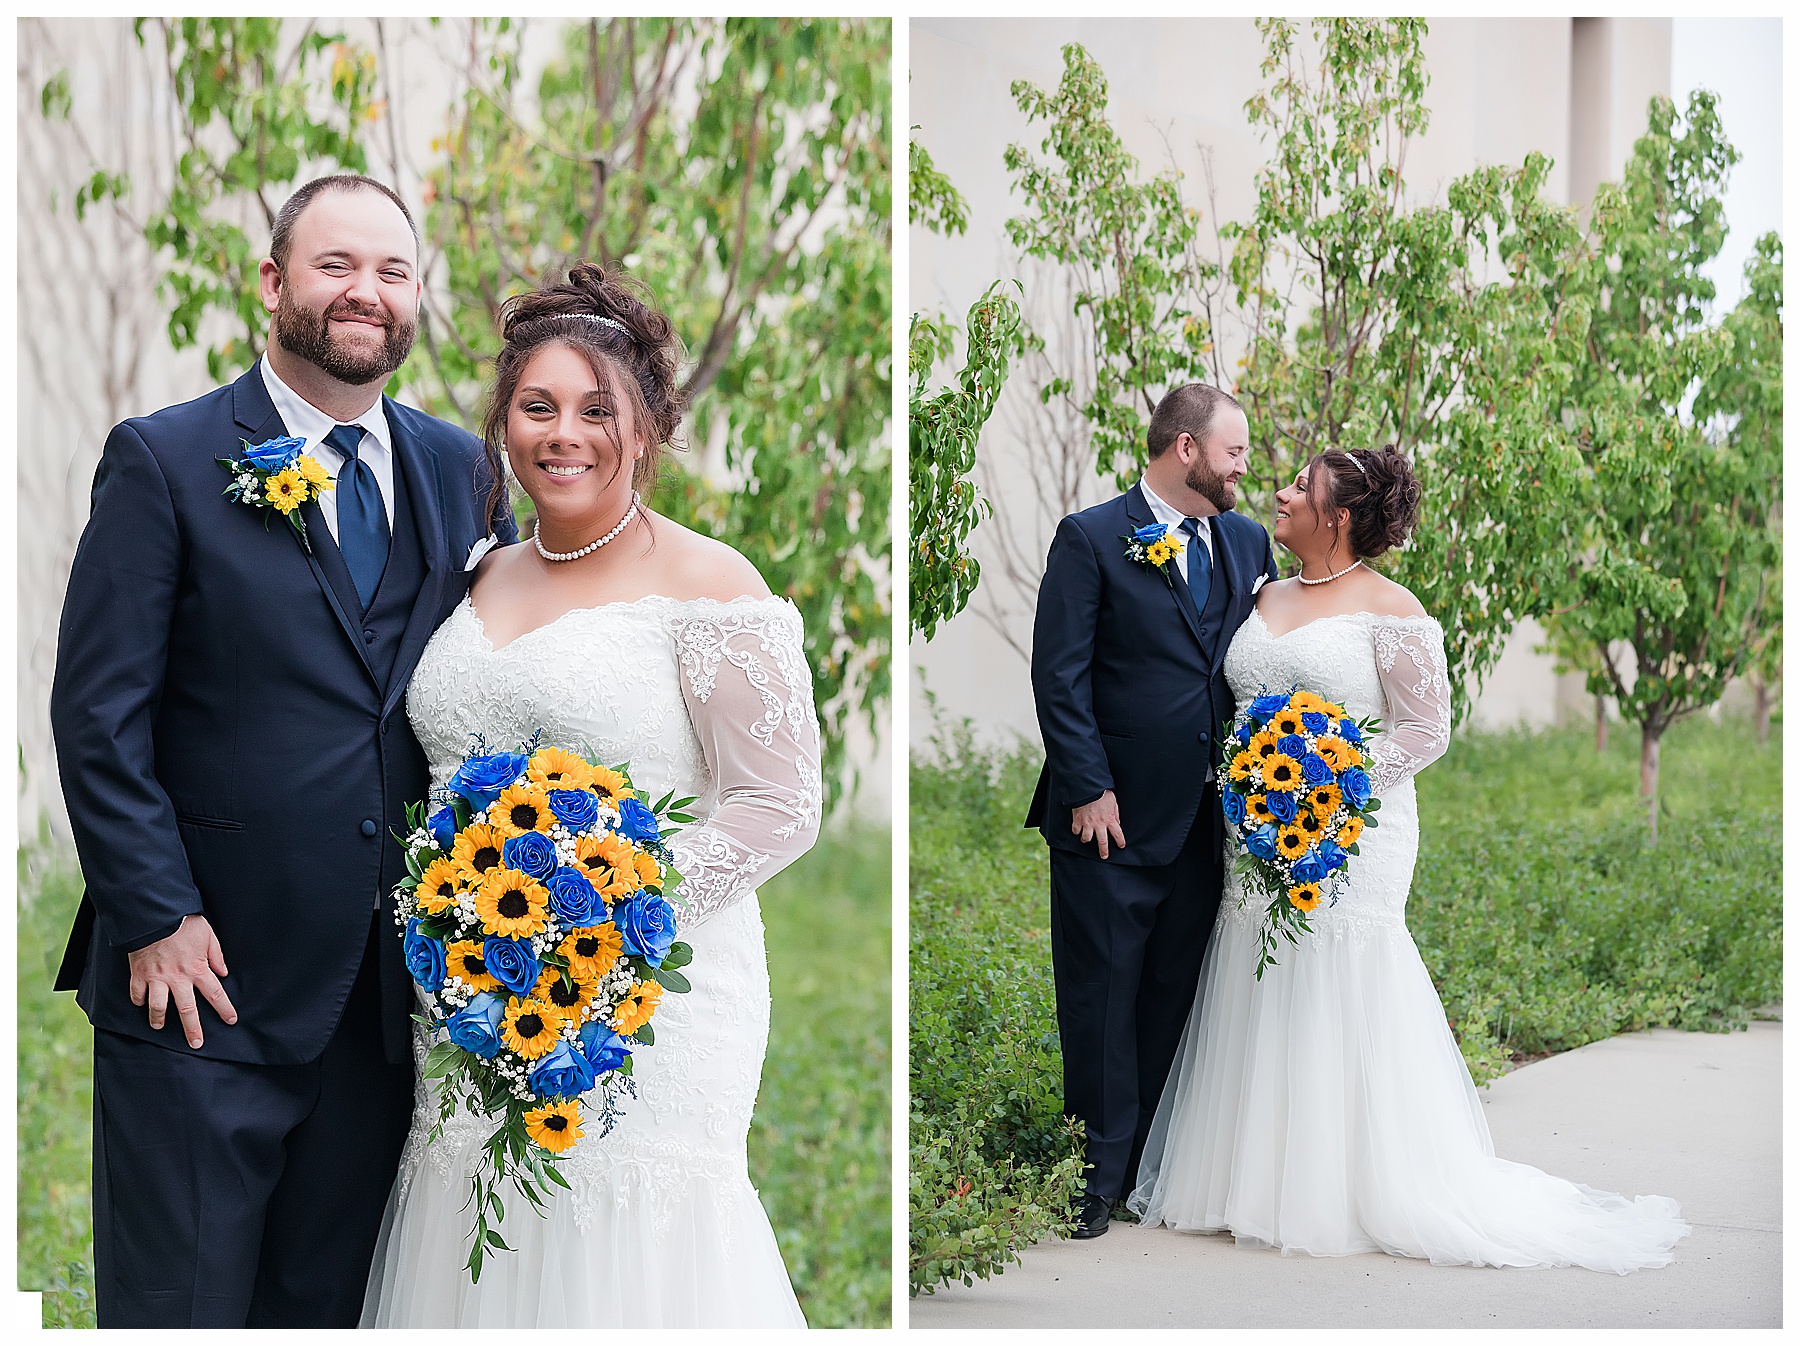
(1695, 1116)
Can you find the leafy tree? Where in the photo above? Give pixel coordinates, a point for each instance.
(1679, 543)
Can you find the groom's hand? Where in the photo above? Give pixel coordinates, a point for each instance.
(173, 969)
(1097, 821)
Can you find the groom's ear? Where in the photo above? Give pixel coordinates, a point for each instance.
(268, 282)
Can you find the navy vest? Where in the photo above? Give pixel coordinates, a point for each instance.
(384, 622)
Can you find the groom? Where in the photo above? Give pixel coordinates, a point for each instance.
(1127, 666)
(235, 754)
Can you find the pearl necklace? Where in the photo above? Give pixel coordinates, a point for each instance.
(595, 545)
(1329, 578)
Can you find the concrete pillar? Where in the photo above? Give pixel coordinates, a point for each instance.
(1617, 65)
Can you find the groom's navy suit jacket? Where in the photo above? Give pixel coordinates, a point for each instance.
(230, 723)
(1130, 680)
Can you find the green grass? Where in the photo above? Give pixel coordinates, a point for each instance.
(1546, 917)
(818, 1149)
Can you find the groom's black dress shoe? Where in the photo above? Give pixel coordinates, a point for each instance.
(1091, 1217)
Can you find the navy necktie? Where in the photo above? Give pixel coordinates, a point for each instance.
(1199, 566)
(362, 531)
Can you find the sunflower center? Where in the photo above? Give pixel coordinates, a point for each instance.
(553, 776)
(474, 965)
(524, 815)
(485, 859)
(529, 1025)
(565, 993)
(446, 889)
(587, 947)
(556, 1122)
(513, 905)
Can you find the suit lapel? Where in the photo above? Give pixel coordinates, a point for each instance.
(1137, 509)
(425, 495)
(1229, 562)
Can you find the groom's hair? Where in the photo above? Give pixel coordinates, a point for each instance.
(281, 240)
(1189, 410)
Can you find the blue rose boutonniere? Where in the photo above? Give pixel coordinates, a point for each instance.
(1151, 545)
(277, 478)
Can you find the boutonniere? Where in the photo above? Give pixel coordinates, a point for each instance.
(1152, 545)
(275, 475)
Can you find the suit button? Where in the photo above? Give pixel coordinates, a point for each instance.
(368, 827)
(1205, 739)
(368, 636)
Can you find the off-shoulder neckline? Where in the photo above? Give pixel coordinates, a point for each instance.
(647, 600)
(1378, 618)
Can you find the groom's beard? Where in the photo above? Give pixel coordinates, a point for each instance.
(1219, 490)
(306, 332)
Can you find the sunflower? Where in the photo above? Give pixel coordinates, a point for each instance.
(286, 490)
(531, 1027)
(1257, 806)
(511, 905)
(1161, 551)
(555, 1126)
(1349, 832)
(1338, 755)
(1304, 896)
(1263, 744)
(520, 809)
(1286, 722)
(1281, 772)
(1324, 800)
(477, 850)
(567, 996)
(635, 1009)
(1301, 702)
(648, 871)
(608, 860)
(1311, 824)
(464, 958)
(313, 473)
(438, 887)
(610, 785)
(1243, 767)
(555, 769)
(1291, 842)
(593, 950)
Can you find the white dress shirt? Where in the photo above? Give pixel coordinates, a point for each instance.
(1165, 513)
(305, 420)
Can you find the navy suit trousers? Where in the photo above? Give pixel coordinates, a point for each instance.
(266, 1218)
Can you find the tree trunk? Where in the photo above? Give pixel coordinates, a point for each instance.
(1764, 705)
(1649, 767)
(1600, 726)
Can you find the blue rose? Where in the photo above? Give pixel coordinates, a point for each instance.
(1334, 855)
(1282, 805)
(1234, 807)
(605, 1050)
(637, 822)
(1316, 721)
(574, 899)
(1261, 842)
(442, 826)
(1150, 532)
(1355, 785)
(481, 779)
(648, 924)
(1348, 731)
(1291, 744)
(1243, 732)
(576, 810)
(1315, 769)
(530, 853)
(1309, 868)
(1266, 707)
(563, 1073)
(476, 1026)
(274, 454)
(424, 958)
(512, 963)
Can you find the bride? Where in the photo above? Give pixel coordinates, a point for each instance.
(620, 632)
(1325, 1109)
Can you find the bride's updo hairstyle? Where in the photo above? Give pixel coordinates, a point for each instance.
(608, 318)
(1379, 489)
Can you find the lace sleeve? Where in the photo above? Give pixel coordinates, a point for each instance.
(1409, 657)
(748, 690)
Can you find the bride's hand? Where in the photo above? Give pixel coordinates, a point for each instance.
(1098, 820)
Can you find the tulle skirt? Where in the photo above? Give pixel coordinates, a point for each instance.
(1326, 1110)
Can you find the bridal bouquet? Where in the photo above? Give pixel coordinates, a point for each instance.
(1297, 798)
(534, 919)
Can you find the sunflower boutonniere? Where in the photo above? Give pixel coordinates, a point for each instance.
(1152, 545)
(275, 475)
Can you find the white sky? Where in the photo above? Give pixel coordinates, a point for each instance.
(1740, 60)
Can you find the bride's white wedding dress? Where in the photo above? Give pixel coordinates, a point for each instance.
(662, 1227)
(1326, 1108)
